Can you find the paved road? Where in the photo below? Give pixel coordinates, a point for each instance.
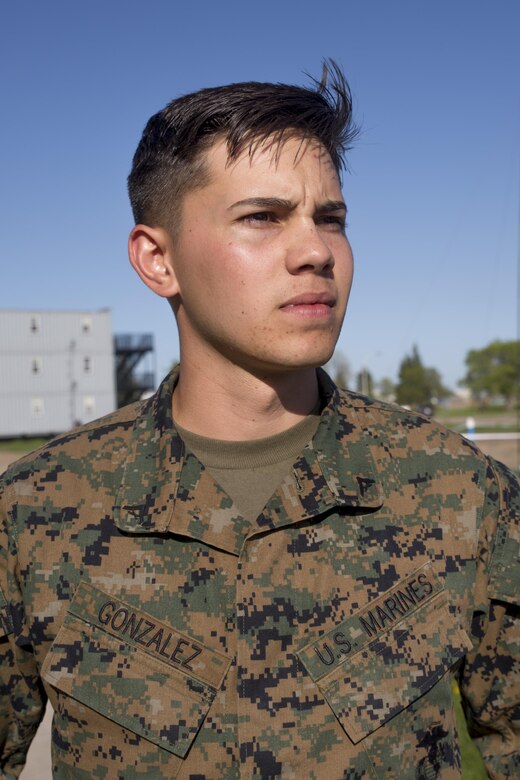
(38, 766)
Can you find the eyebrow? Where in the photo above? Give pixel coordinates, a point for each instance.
(332, 205)
(288, 205)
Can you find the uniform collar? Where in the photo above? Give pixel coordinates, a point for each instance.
(165, 488)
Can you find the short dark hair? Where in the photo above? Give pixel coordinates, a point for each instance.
(169, 159)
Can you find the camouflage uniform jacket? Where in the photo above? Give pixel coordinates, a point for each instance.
(176, 640)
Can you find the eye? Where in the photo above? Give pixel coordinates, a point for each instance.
(258, 217)
(333, 221)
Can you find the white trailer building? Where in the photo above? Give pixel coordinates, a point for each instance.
(56, 370)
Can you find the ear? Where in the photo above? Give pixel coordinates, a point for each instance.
(150, 253)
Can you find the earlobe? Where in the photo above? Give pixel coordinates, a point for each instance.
(149, 251)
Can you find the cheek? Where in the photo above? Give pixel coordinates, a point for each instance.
(345, 264)
(217, 288)
(233, 275)
(225, 279)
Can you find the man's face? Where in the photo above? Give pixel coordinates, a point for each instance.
(263, 266)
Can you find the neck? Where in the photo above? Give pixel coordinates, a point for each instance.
(236, 405)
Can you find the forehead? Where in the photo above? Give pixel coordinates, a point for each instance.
(271, 161)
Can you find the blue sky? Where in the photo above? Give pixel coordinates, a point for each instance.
(433, 186)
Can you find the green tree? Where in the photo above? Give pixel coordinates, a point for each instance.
(437, 390)
(418, 385)
(494, 371)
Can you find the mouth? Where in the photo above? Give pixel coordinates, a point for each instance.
(310, 305)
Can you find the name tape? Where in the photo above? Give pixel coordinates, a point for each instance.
(145, 631)
(360, 629)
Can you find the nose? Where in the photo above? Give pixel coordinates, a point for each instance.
(308, 249)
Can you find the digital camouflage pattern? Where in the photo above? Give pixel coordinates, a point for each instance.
(177, 640)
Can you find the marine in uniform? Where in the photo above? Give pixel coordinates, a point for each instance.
(282, 587)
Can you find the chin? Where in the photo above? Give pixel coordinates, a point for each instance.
(314, 358)
(289, 357)
(310, 360)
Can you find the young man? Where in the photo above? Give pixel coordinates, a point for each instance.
(253, 573)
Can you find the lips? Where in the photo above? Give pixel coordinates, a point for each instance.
(311, 306)
(311, 299)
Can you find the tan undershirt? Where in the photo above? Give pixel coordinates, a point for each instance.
(250, 471)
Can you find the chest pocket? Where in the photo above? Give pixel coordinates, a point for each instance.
(384, 657)
(134, 670)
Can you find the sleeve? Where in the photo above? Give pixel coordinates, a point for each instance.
(22, 698)
(490, 677)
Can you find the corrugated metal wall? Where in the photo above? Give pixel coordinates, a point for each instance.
(56, 370)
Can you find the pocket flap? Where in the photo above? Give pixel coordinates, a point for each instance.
(377, 672)
(134, 670)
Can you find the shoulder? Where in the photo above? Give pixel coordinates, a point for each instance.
(406, 432)
(414, 447)
(405, 445)
(104, 439)
(388, 414)
(426, 451)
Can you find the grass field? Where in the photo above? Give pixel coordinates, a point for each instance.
(472, 765)
(492, 420)
(20, 446)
